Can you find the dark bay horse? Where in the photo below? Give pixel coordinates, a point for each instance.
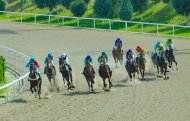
(89, 75)
(118, 54)
(141, 63)
(35, 81)
(162, 64)
(131, 67)
(50, 72)
(171, 57)
(105, 73)
(67, 75)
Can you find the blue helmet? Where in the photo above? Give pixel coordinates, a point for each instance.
(158, 42)
(118, 38)
(88, 57)
(50, 55)
(129, 51)
(32, 58)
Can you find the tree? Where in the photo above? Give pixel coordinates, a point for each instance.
(182, 7)
(126, 10)
(78, 7)
(155, 2)
(166, 1)
(140, 6)
(103, 8)
(2, 69)
(87, 1)
(47, 3)
(66, 3)
(2, 5)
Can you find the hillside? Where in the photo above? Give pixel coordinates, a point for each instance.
(161, 13)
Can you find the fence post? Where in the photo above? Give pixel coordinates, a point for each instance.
(63, 21)
(49, 20)
(94, 21)
(157, 29)
(109, 24)
(173, 30)
(142, 29)
(35, 18)
(78, 22)
(21, 17)
(126, 27)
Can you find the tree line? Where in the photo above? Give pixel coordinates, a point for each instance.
(105, 8)
(2, 69)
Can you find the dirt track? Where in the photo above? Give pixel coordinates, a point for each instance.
(151, 100)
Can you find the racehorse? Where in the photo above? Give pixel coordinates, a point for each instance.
(154, 59)
(171, 57)
(163, 64)
(35, 81)
(67, 75)
(89, 75)
(141, 63)
(131, 67)
(105, 73)
(50, 72)
(118, 54)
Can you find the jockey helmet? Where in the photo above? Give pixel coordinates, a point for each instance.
(169, 39)
(50, 55)
(103, 53)
(88, 57)
(129, 51)
(158, 42)
(63, 55)
(32, 58)
(138, 48)
(118, 38)
(161, 46)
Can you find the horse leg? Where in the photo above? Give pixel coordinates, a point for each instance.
(92, 86)
(104, 83)
(71, 78)
(88, 83)
(130, 76)
(31, 88)
(141, 71)
(176, 64)
(110, 83)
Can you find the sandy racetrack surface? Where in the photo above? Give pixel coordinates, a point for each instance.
(154, 99)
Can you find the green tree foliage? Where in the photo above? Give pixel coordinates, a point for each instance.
(2, 69)
(78, 7)
(66, 3)
(87, 1)
(140, 6)
(47, 3)
(103, 8)
(166, 1)
(126, 10)
(182, 7)
(2, 5)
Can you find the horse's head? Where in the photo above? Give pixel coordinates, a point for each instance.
(141, 55)
(32, 68)
(32, 74)
(119, 47)
(103, 60)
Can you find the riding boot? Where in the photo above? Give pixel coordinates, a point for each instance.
(44, 70)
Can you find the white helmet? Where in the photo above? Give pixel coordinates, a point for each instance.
(63, 55)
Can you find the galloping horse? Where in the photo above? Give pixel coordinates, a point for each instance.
(154, 59)
(118, 54)
(131, 67)
(67, 75)
(50, 72)
(163, 64)
(35, 81)
(171, 57)
(141, 63)
(89, 75)
(105, 74)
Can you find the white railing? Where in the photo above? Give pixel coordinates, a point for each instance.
(16, 62)
(98, 23)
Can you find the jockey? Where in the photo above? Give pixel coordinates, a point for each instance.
(169, 42)
(133, 56)
(37, 66)
(156, 46)
(138, 50)
(64, 59)
(103, 55)
(117, 42)
(49, 56)
(160, 49)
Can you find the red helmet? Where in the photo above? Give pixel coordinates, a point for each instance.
(138, 48)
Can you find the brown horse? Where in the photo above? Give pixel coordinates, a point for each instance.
(141, 63)
(105, 74)
(50, 72)
(131, 68)
(163, 64)
(35, 81)
(89, 75)
(118, 54)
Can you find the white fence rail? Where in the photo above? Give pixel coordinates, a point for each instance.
(98, 23)
(16, 61)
